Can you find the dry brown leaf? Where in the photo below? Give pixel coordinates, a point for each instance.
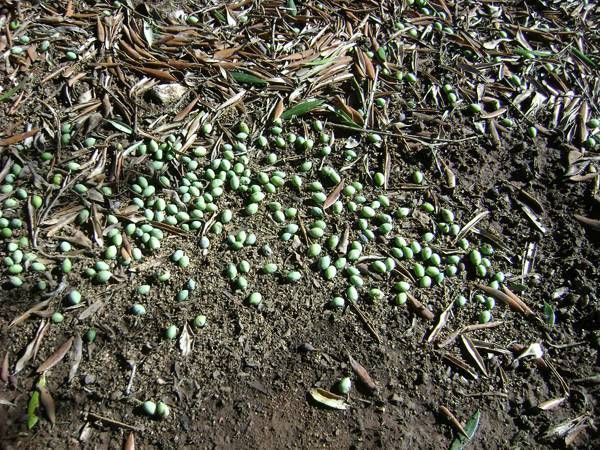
(472, 350)
(56, 357)
(278, 110)
(29, 312)
(362, 374)
(18, 137)
(91, 310)
(29, 350)
(156, 73)
(334, 195)
(130, 442)
(48, 403)
(592, 223)
(419, 308)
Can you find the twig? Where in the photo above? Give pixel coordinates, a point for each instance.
(112, 421)
(364, 319)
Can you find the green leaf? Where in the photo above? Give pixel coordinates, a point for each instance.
(301, 108)
(32, 407)
(8, 94)
(346, 119)
(321, 61)
(549, 314)
(120, 126)
(243, 77)
(220, 17)
(471, 427)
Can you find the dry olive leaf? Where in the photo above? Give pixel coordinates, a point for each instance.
(362, 374)
(56, 357)
(328, 398)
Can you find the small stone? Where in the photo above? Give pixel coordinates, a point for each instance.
(168, 93)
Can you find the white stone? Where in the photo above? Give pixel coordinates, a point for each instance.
(168, 93)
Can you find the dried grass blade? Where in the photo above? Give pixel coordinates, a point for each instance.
(362, 374)
(56, 357)
(334, 195)
(472, 350)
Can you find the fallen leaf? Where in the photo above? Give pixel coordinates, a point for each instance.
(551, 404)
(185, 341)
(29, 350)
(47, 400)
(76, 355)
(335, 194)
(362, 374)
(130, 442)
(4, 371)
(56, 357)
(471, 427)
(26, 314)
(18, 137)
(32, 407)
(328, 399)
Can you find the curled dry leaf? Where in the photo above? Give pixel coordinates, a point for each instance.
(362, 374)
(328, 398)
(56, 357)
